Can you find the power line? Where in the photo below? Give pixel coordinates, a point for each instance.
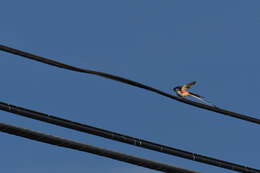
(53, 140)
(127, 81)
(124, 138)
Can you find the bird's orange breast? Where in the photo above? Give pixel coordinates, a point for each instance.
(184, 93)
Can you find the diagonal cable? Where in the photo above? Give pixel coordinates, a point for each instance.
(53, 140)
(124, 138)
(127, 81)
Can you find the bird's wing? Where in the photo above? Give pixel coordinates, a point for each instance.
(188, 85)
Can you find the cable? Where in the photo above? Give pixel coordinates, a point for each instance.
(127, 81)
(36, 136)
(124, 138)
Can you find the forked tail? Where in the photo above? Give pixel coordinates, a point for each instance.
(201, 98)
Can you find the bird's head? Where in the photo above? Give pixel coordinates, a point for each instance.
(176, 89)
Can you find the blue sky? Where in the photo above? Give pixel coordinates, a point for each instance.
(158, 43)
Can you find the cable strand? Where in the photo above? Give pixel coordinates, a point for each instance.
(127, 81)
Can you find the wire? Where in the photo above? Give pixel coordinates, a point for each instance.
(124, 138)
(53, 140)
(127, 81)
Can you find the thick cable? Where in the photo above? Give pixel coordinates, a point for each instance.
(124, 138)
(53, 140)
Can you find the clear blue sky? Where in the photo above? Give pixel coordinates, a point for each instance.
(159, 43)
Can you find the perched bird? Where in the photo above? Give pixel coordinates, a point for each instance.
(182, 91)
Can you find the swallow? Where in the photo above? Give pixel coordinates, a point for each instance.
(182, 91)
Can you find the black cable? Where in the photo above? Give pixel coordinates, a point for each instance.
(33, 135)
(127, 81)
(124, 138)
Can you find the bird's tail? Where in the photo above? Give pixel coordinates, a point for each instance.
(201, 98)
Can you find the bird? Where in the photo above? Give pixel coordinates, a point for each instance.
(182, 91)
